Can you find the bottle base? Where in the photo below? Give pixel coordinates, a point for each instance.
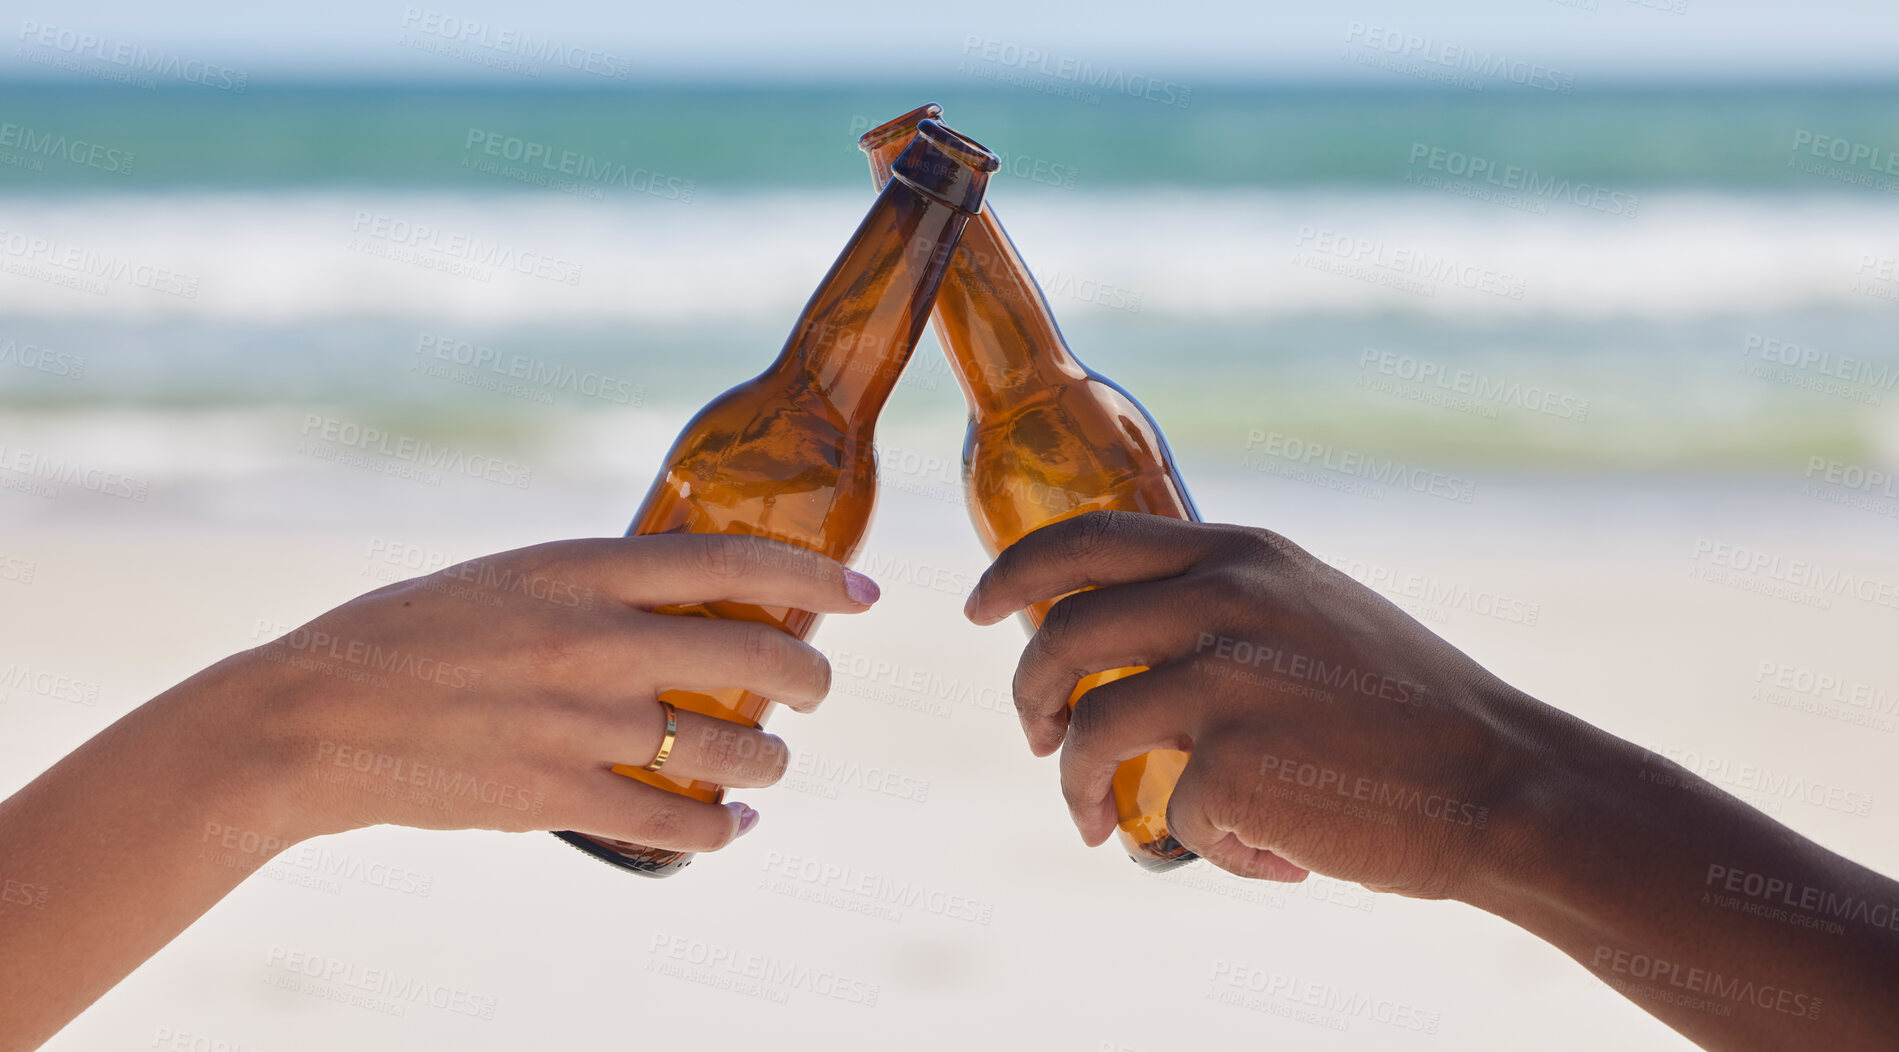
(1162, 855)
(652, 863)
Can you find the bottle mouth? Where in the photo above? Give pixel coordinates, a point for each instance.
(946, 165)
(966, 150)
(902, 126)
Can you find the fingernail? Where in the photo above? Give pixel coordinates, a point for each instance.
(861, 589)
(747, 818)
(969, 606)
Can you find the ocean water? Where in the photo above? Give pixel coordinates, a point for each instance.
(1626, 281)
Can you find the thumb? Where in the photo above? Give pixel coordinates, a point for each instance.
(1202, 816)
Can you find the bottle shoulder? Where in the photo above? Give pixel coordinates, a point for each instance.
(1085, 445)
(758, 461)
(758, 445)
(1090, 411)
(792, 422)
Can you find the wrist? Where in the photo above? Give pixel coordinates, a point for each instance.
(216, 730)
(1552, 780)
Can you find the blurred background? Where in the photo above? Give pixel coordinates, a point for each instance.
(1618, 278)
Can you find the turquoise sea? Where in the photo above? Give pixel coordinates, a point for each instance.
(1628, 279)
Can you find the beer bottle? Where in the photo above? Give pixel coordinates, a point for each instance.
(788, 454)
(1048, 439)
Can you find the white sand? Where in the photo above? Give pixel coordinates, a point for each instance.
(1080, 951)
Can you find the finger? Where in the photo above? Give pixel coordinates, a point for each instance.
(673, 568)
(613, 807)
(711, 653)
(1101, 547)
(1204, 814)
(1116, 722)
(705, 748)
(1128, 626)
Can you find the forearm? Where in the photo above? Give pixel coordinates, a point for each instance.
(1732, 929)
(118, 847)
(1478, 792)
(486, 705)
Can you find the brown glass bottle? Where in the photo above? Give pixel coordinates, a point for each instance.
(1048, 439)
(788, 455)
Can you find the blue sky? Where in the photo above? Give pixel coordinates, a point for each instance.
(849, 40)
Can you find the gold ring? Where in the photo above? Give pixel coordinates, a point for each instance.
(666, 743)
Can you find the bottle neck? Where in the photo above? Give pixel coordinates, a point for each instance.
(991, 316)
(857, 331)
(996, 326)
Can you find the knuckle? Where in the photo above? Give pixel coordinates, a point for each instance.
(1072, 788)
(548, 733)
(1229, 588)
(553, 654)
(572, 656)
(553, 659)
(1183, 817)
(716, 838)
(1058, 631)
(1243, 807)
(1223, 682)
(1264, 544)
(820, 674)
(761, 647)
(1025, 705)
(725, 557)
(1229, 746)
(1006, 565)
(664, 824)
(1035, 687)
(736, 754)
(1092, 532)
(1203, 800)
(721, 748)
(558, 727)
(777, 760)
(1088, 720)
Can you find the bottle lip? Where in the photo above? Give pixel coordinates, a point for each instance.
(946, 165)
(904, 125)
(965, 149)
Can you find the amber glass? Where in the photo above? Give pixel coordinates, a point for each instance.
(788, 454)
(1048, 439)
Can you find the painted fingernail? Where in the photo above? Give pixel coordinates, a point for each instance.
(861, 589)
(747, 818)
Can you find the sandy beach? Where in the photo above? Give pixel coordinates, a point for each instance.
(917, 861)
